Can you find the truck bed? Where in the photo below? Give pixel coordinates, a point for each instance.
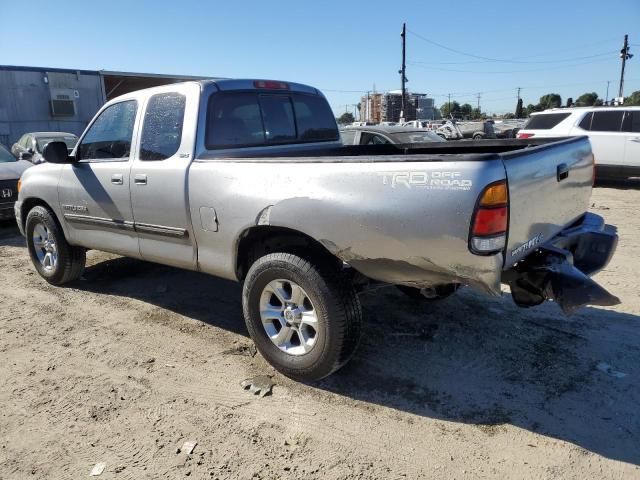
(472, 150)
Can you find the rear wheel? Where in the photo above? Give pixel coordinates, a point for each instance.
(305, 321)
(55, 260)
(439, 292)
(478, 136)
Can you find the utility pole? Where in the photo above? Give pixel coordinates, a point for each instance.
(402, 71)
(479, 95)
(449, 95)
(624, 55)
(606, 102)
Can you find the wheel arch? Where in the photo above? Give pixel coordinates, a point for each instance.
(259, 240)
(29, 203)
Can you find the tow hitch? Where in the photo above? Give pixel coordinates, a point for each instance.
(560, 269)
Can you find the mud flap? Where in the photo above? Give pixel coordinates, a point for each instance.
(550, 274)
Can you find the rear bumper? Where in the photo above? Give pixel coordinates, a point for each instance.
(559, 270)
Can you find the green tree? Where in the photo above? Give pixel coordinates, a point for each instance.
(550, 100)
(444, 109)
(508, 116)
(345, 119)
(633, 99)
(466, 109)
(587, 99)
(532, 108)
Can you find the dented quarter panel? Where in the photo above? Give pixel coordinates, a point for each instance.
(397, 232)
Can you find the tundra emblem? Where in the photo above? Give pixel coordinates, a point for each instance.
(7, 193)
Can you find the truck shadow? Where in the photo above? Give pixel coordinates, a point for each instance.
(469, 359)
(626, 184)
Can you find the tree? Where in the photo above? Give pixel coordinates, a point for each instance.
(633, 99)
(519, 110)
(532, 108)
(444, 109)
(477, 114)
(550, 100)
(508, 116)
(465, 110)
(587, 99)
(569, 102)
(346, 118)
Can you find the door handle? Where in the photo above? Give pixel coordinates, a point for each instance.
(117, 179)
(140, 179)
(562, 172)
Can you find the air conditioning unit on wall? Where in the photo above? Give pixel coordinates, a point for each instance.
(63, 102)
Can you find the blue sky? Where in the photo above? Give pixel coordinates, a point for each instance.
(343, 48)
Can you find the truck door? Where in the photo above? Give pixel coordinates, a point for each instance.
(94, 190)
(159, 190)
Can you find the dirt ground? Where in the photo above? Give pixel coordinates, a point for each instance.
(127, 364)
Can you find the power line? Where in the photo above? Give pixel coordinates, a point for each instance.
(558, 67)
(501, 60)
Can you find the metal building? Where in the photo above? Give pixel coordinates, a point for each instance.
(36, 99)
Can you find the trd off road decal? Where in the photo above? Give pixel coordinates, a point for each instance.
(436, 180)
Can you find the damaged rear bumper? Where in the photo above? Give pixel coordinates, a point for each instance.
(559, 270)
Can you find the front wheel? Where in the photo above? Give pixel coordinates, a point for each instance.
(304, 321)
(55, 260)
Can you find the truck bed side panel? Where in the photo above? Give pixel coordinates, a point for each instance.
(405, 223)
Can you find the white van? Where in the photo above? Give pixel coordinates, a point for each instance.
(614, 133)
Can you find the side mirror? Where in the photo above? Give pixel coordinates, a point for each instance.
(25, 156)
(56, 152)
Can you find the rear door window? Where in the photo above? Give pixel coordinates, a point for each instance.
(545, 121)
(607, 121)
(631, 122)
(162, 128)
(585, 123)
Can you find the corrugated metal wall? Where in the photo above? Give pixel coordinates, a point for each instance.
(25, 101)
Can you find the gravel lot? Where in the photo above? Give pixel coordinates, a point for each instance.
(127, 364)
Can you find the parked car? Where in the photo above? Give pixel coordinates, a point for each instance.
(248, 180)
(31, 145)
(614, 133)
(10, 171)
(424, 124)
(377, 135)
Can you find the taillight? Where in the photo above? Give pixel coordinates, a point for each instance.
(525, 135)
(490, 220)
(271, 84)
(19, 185)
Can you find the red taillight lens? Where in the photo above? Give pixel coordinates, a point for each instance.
(525, 135)
(271, 84)
(490, 221)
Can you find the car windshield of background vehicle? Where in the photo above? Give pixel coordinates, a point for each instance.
(41, 142)
(545, 121)
(6, 156)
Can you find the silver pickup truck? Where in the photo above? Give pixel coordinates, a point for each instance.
(248, 180)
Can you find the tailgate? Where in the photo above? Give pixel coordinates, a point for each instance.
(549, 188)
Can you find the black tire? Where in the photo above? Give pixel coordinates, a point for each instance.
(70, 260)
(478, 136)
(439, 292)
(337, 309)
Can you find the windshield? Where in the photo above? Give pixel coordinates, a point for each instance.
(70, 140)
(416, 137)
(6, 156)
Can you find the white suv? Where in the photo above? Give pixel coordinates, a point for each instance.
(614, 133)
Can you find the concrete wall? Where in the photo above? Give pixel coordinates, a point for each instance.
(25, 100)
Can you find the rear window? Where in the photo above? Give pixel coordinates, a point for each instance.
(545, 121)
(252, 119)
